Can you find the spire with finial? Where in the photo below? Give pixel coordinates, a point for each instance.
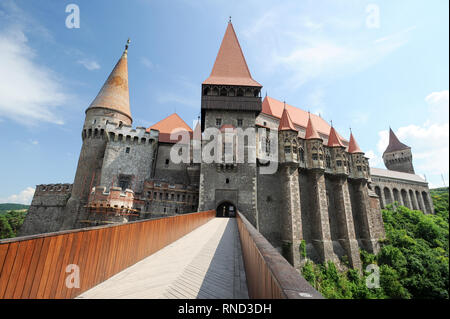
(311, 132)
(114, 95)
(125, 53)
(353, 147)
(229, 20)
(333, 138)
(286, 123)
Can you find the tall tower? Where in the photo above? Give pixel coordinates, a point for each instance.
(230, 100)
(112, 104)
(398, 156)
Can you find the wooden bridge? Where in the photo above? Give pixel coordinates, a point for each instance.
(185, 256)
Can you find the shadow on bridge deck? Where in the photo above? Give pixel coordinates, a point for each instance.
(206, 263)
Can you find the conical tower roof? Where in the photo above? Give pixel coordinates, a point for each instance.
(394, 143)
(286, 122)
(311, 132)
(333, 139)
(230, 67)
(114, 94)
(353, 147)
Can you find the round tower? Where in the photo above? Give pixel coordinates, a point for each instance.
(398, 156)
(112, 104)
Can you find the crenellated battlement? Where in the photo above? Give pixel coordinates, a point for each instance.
(52, 189)
(128, 134)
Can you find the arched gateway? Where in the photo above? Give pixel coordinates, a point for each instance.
(226, 209)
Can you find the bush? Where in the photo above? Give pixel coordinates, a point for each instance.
(413, 260)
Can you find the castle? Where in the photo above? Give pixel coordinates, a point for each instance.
(295, 178)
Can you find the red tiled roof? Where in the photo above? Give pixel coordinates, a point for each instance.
(353, 147)
(311, 132)
(394, 143)
(286, 122)
(171, 124)
(114, 94)
(299, 117)
(230, 67)
(333, 139)
(227, 126)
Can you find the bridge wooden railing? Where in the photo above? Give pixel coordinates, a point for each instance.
(37, 266)
(269, 275)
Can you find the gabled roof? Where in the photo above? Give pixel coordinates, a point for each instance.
(394, 143)
(381, 172)
(114, 94)
(299, 117)
(333, 139)
(311, 132)
(353, 147)
(230, 67)
(171, 124)
(286, 122)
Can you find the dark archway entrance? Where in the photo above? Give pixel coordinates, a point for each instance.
(226, 209)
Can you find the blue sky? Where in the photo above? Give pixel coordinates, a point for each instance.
(333, 57)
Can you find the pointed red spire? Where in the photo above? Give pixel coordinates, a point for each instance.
(333, 139)
(230, 67)
(286, 122)
(311, 132)
(394, 143)
(114, 94)
(353, 147)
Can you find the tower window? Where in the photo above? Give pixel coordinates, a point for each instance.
(218, 122)
(227, 181)
(239, 122)
(127, 150)
(167, 161)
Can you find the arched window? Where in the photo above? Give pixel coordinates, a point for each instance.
(240, 92)
(223, 92)
(206, 91)
(231, 92)
(328, 161)
(215, 91)
(302, 154)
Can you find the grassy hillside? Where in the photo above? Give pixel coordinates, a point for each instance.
(8, 206)
(413, 261)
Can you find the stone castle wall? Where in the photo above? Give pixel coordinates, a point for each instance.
(46, 212)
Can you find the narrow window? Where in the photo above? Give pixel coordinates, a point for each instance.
(127, 150)
(218, 122)
(227, 181)
(239, 122)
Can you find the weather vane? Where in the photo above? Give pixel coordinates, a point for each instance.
(128, 43)
(229, 20)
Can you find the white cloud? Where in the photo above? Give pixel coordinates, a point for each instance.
(374, 159)
(147, 63)
(29, 92)
(429, 141)
(302, 44)
(89, 64)
(24, 197)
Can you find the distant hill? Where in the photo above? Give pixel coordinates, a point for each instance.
(9, 206)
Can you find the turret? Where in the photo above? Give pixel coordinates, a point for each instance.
(359, 163)
(398, 156)
(112, 104)
(314, 146)
(288, 136)
(335, 157)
